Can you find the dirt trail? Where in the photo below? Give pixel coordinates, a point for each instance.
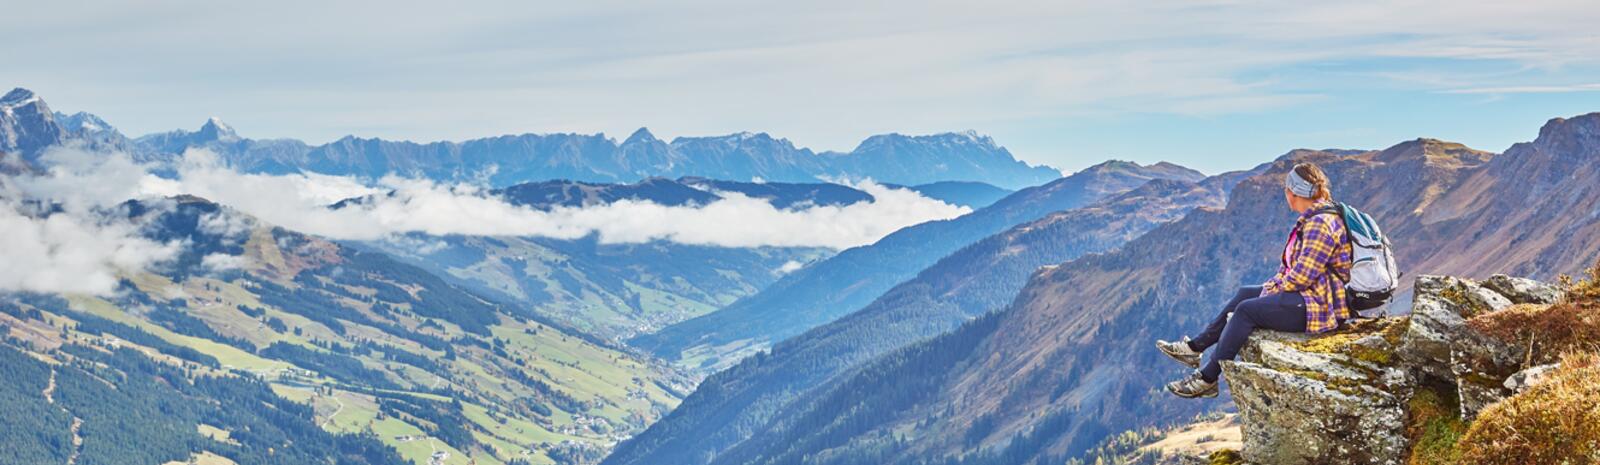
(77, 441)
(335, 413)
(50, 389)
(77, 423)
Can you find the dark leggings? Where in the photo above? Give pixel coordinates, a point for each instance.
(1250, 310)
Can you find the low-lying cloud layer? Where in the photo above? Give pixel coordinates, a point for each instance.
(81, 248)
(60, 237)
(402, 205)
(69, 253)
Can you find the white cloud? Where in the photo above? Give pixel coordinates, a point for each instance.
(398, 205)
(61, 234)
(227, 224)
(401, 205)
(224, 262)
(1528, 89)
(80, 180)
(826, 73)
(71, 253)
(790, 267)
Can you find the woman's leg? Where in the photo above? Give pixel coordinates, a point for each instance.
(1214, 330)
(1282, 312)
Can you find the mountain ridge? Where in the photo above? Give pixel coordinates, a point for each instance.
(510, 159)
(849, 280)
(1069, 361)
(968, 282)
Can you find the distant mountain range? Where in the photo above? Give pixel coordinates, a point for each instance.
(699, 191)
(27, 126)
(844, 283)
(1069, 362)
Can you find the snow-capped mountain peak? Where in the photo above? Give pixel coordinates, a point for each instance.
(215, 129)
(18, 97)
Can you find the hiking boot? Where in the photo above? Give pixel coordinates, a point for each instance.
(1180, 351)
(1192, 386)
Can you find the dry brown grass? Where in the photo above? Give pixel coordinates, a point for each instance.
(1573, 325)
(1547, 330)
(1555, 422)
(1587, 289)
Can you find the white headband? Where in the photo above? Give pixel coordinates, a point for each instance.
(1298, 185)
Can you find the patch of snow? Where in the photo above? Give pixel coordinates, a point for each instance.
(790, 267)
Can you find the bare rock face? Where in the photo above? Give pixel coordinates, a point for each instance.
(1336, 398)
(1341, 397)
(1523, 290)
(1439, 344)
(1531, 377)
(1440, 308)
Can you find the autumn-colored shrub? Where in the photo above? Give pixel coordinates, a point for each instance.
(1572, 325)
(1585, 290)
(1557, 421)
(1547, 330)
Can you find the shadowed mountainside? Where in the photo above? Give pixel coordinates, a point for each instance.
(847, 281)
(1070, 362)
(978, 278)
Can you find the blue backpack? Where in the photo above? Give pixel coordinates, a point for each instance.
(1373, 272)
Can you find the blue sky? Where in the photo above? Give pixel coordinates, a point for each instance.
(1214, 85)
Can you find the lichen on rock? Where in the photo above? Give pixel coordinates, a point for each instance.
(1439, 343)
(1392, 390)
(1523, 290)
(1313, 399)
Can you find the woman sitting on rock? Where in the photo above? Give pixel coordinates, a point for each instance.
(1307, 294)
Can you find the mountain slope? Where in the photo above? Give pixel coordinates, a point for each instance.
(620, 290)
(980, 277)
(970, 194)
(350, 341)
(610, 290)
(1070, 361)
(824, 291)
(682, 191)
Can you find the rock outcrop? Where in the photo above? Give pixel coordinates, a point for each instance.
(1343, 397)
(1330, 399)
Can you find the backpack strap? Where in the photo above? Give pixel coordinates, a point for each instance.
(1336, 209)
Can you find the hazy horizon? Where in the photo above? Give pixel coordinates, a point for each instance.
(1214, 86)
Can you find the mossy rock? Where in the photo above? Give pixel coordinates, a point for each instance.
(1226, 457)
(1293, 416)
(1434, 425)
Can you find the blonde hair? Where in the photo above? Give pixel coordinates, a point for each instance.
(1319, 180)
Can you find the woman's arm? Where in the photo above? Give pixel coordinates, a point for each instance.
(1316, 248)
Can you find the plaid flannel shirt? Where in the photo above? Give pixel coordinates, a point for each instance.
(1321, 248)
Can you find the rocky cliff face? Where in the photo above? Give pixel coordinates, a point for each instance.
(1351, 396)
(27, 125)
